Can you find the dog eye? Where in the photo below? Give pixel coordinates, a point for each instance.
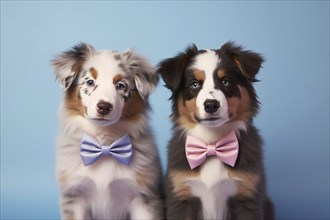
(121, 86)
(90, 82)
(225, 83)
(195, 85)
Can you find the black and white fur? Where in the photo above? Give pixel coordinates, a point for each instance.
(212, 95)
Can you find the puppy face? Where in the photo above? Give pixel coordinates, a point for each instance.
(212, 87)
(104, 86)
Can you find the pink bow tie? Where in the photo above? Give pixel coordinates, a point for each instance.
(226, 149)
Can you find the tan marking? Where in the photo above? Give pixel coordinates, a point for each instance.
(199, 75)
(233, 104)
(221, 73)
(117, 78)
(244, 112)
(94, 72)
(147, 177)
(63, 177)
(73, 102)
(179, 181)
(77, 67)
(142, 180)
(239, 65)
(134, 107)
(247, 183)
(239, 108)
(187, 111)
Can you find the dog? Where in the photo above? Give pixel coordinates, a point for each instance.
(108, 166)
(215, 163)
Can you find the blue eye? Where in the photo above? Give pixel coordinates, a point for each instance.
(90, 82)
(225, 83)
(121, 86)
(195, 84)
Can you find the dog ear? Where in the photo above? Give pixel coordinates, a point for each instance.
(145, 76)
(172, 69)
(68, 64)
(247, 61)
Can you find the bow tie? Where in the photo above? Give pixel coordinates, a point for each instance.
(226, 149)
(91, 150)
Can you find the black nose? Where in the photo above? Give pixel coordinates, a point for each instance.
(211, 105)
(103, 107)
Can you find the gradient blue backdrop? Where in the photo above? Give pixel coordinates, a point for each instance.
(294, 89)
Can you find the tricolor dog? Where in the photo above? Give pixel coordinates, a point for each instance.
(215, 163)
(108, 166)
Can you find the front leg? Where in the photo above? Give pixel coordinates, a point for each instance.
(184, 208)
(73, 208)
(75, 194)
(244, 208)
(180, 202)
(147, 209)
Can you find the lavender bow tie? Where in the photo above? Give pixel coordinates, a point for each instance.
(91, 150)
(226, 149)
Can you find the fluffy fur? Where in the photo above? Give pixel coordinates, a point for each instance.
(212, 95)
(106, 96)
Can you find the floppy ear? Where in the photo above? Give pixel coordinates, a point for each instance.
(68, 64)
(172, 69)
(247, 61)
(145, 76)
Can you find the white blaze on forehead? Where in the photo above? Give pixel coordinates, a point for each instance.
(208, 62)
(104, 62)
(107, 67)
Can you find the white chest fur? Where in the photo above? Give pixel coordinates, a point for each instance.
(98, 183)
(213, 187)
(115, 187)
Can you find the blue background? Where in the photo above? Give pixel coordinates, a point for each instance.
(293, 36)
